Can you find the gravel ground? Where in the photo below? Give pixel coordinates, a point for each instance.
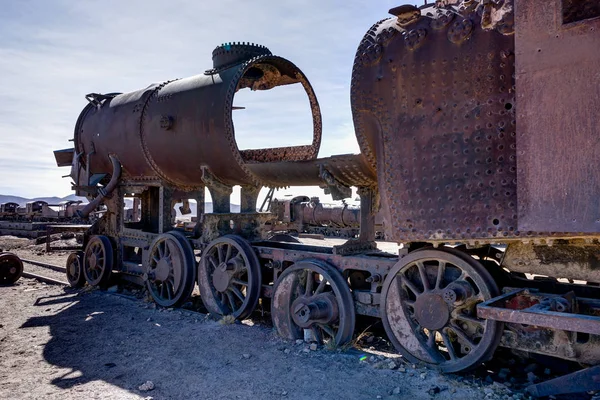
(62, 343)
(58, 342)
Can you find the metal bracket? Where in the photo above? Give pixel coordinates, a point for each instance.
(537, 315)
(96, 99)
(337, 190)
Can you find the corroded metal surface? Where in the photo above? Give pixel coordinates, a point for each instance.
(587, 380)
(573, 259)
(559, 97)
(347, 169)
(174, 129)
(549, 311)
(433, 106)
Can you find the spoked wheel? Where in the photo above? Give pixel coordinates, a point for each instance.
(170, 276)
(428, 310)
(11, 268)
(229, 277)
(312, 297)
(75, 269)
(98, 261)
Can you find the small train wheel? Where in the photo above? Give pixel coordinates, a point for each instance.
(312, 297)
(170, 274)
(98, 261)
(75, 269)
(229, 277)
(428, 309)
(11, 268)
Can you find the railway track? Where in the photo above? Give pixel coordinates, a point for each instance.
(43, 278)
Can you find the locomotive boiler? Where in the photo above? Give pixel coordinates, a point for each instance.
(475, 121)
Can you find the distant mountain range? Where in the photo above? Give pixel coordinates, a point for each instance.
(50, 200)
(128, 202)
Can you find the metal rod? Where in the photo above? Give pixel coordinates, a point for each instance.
(546, 319)
(44, 279)
(57, 268)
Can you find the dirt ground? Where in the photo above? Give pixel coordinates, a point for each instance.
(62, 343)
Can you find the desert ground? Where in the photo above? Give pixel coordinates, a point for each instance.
(62, 343)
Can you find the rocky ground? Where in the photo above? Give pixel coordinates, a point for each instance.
(58, 342)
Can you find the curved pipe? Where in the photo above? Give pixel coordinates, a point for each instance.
(105, 191)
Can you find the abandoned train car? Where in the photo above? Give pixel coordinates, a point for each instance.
(479, 154)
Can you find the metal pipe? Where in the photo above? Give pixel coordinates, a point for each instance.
(105, 191)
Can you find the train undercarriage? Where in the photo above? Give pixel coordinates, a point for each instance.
(446, 305)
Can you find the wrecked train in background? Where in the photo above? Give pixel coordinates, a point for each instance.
(475, 121)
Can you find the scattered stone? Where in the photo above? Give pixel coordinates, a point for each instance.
(488, 392)
(287, 351)
(396, 390)
(380, 365)
(113, 289)
(306, 350)
(147, 386)
(372, 359)
(434, 390)
(284, 393)
(531, 377)
(299, 341)
(313, 346)
(392, 365)
(246, 356)
(402, 369)
(503, 373)
(423, 376)
(149, 320)
(379, 397)
(531, 367)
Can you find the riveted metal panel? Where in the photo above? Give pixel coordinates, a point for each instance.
(558, 118)
(433, 105)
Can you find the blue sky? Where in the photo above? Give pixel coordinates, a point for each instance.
(53, 52)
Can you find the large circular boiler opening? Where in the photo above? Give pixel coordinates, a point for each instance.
(278, 117)
(275, 113)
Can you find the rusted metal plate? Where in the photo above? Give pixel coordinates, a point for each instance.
(433, 107)
(558, 85)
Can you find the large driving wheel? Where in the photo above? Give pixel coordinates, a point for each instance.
(428, 309)
(75, 269)
(312, 297)
(98, 261)
(170, 276)
(229, 277)
(11, 268)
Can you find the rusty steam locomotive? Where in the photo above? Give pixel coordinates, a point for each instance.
(478, 154)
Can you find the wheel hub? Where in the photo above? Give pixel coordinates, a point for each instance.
(221, 278)
(162, 270)
(72, 269)
(13, 270)
(431, 311)
(314, 309)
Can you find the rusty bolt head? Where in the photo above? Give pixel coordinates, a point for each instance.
(166, 122)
